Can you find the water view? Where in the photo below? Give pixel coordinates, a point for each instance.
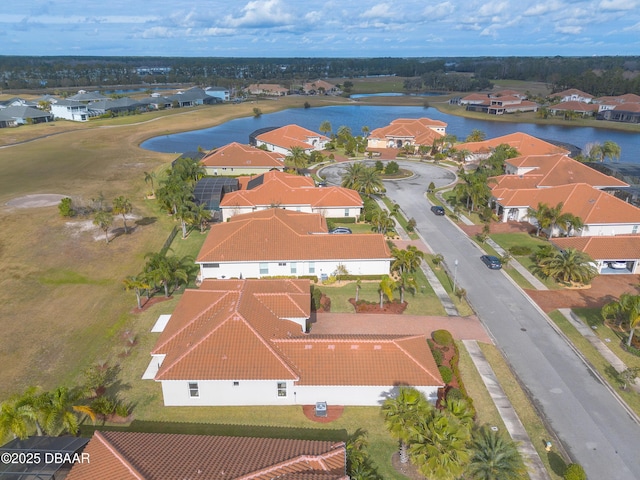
(357, 116)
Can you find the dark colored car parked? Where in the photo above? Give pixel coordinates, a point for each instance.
(341, 230)
(438, 210)
(492, 262)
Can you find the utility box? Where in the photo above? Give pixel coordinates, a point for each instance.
(321, 409)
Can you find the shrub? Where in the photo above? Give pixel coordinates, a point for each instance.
(574, 472)
(438, 356)
(316, 295)
(103, 406)
(65, 207)
(379, 166)
(445, 373)
(520, 250)
(123, 410)
(442, 337)
(455, 394)
(391, 168)
(411, 225)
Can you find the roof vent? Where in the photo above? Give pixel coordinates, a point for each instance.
(377, 347)
(331, 347)
(308, 347)
(354, 347)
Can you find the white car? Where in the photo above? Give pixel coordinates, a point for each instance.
(618, 265)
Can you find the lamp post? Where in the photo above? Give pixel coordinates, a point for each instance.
(455, 274)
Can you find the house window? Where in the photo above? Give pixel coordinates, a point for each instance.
(312, 267)
(194, 392)
(282, 389)
(211, 265)
(282, 264)
(264, 269)
(634, 229)
(346, 212)
(236, 384)
(294, 268)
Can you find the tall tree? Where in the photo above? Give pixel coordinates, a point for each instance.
(103, 220)
(137, 283)
(297, 158)
(325, 127)
(351, 175)
(122, 206)
(570, 265)
(386, 288)
(369, 182)
(62, 410)
(476, 136)
(494, 458)
(150, 177)
(627, 309)
(611, 151)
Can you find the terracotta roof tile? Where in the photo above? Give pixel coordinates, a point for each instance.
(238, 155)
(279, 235)
(157, 456)
(575, 106)
(525, 144)
(291, 136)
(420, 130)
(619, 247)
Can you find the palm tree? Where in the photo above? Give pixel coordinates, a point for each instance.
(569, 266)
(149, 177)
(61, 409)
(401, 412)
(627, 308)
(297, 158)
(180, 269)
(541, 217)
(103, 220)
(325, 127)
(369, 182)
(18, 414)
(439, 446)
(201, 215)
(386, 287)
(184, 213)
(137, 283)
(494, 457)
(351, 175)
(553, 217)
(158, 270)
(406, 261)
(122, 206)
(365, 130)
(382, 221)
(611, 151)
(406, 281)
(358, 287)
(476, 136)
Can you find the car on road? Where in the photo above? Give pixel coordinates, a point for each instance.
(341, 230)
(492, 262)
(438, 210)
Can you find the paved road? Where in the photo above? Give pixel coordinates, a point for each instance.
(592, 425)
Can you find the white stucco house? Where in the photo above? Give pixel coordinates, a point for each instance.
(281, 140)
(277, 242)
(70, 110)
(407, 131)
(290, 192)
(235, 159)
(242, 342)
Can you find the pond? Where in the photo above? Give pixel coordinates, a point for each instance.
(357, 116)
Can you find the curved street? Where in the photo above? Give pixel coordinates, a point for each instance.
(593, 426)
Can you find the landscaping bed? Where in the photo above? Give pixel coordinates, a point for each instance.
(362, 306)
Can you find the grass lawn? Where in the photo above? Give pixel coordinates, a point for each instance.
(539, 434)
(400, 218)
(447, 282)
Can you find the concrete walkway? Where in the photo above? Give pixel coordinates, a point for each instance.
(535, 467)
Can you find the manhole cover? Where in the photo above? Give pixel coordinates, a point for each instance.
(523, 329)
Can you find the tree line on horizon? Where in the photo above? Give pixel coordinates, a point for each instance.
(599, 75)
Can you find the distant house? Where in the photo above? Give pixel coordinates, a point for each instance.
(407, 131)
(117, 105)
(267, 89)
(320, 87)
(602, 213)
(242, 342)
(281, 140)
(86, 97)
(164, 456)
(627, 113)
(573, 95)
(222, 94)
(70, 110)
(191, 98)
(22, 115)
(499, 103)
(237, 159)
(525, 145)
(291, 192)
(277, 242)
(582, 108)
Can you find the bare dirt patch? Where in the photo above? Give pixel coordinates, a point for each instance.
(36, 200)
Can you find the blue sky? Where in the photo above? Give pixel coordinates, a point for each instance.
(301, 28)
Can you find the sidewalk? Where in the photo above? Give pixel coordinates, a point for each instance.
(535, 467)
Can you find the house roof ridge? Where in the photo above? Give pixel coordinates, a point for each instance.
(118, 455)
(404, 350)
(280, 294)
(304, 458)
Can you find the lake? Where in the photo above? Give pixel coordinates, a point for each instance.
(357, 116)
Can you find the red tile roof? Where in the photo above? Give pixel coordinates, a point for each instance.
(619, 247)
(551, 171)
(525, 144)
(279, 188)
(291, 136)
(575, 106)
(593, 206)
(282, 235)
(160, 456)
(238, 155)
(420, 130)
(571, 92)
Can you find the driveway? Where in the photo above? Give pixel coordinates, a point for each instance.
(592, 425)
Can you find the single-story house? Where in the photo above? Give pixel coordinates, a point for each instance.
(70, 110)
(170, 456)
(291, 192)
(277, 242)
(407, 131)
(319, 87)
(573, 95)
(243, 342)
(525, 145)
(626, 112)
(191, 98)
(612, 255)
(267, 89)
(281, 140)
(542, 171)
(237, 159)
(584, 109)
(22, 115)
(125, 104)
(601, 212)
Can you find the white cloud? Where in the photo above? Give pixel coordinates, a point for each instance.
(569, 29)
(262, 13)
(439, 11)
(617, 5)
(382, 10)
(491, 8)
(542, 8)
